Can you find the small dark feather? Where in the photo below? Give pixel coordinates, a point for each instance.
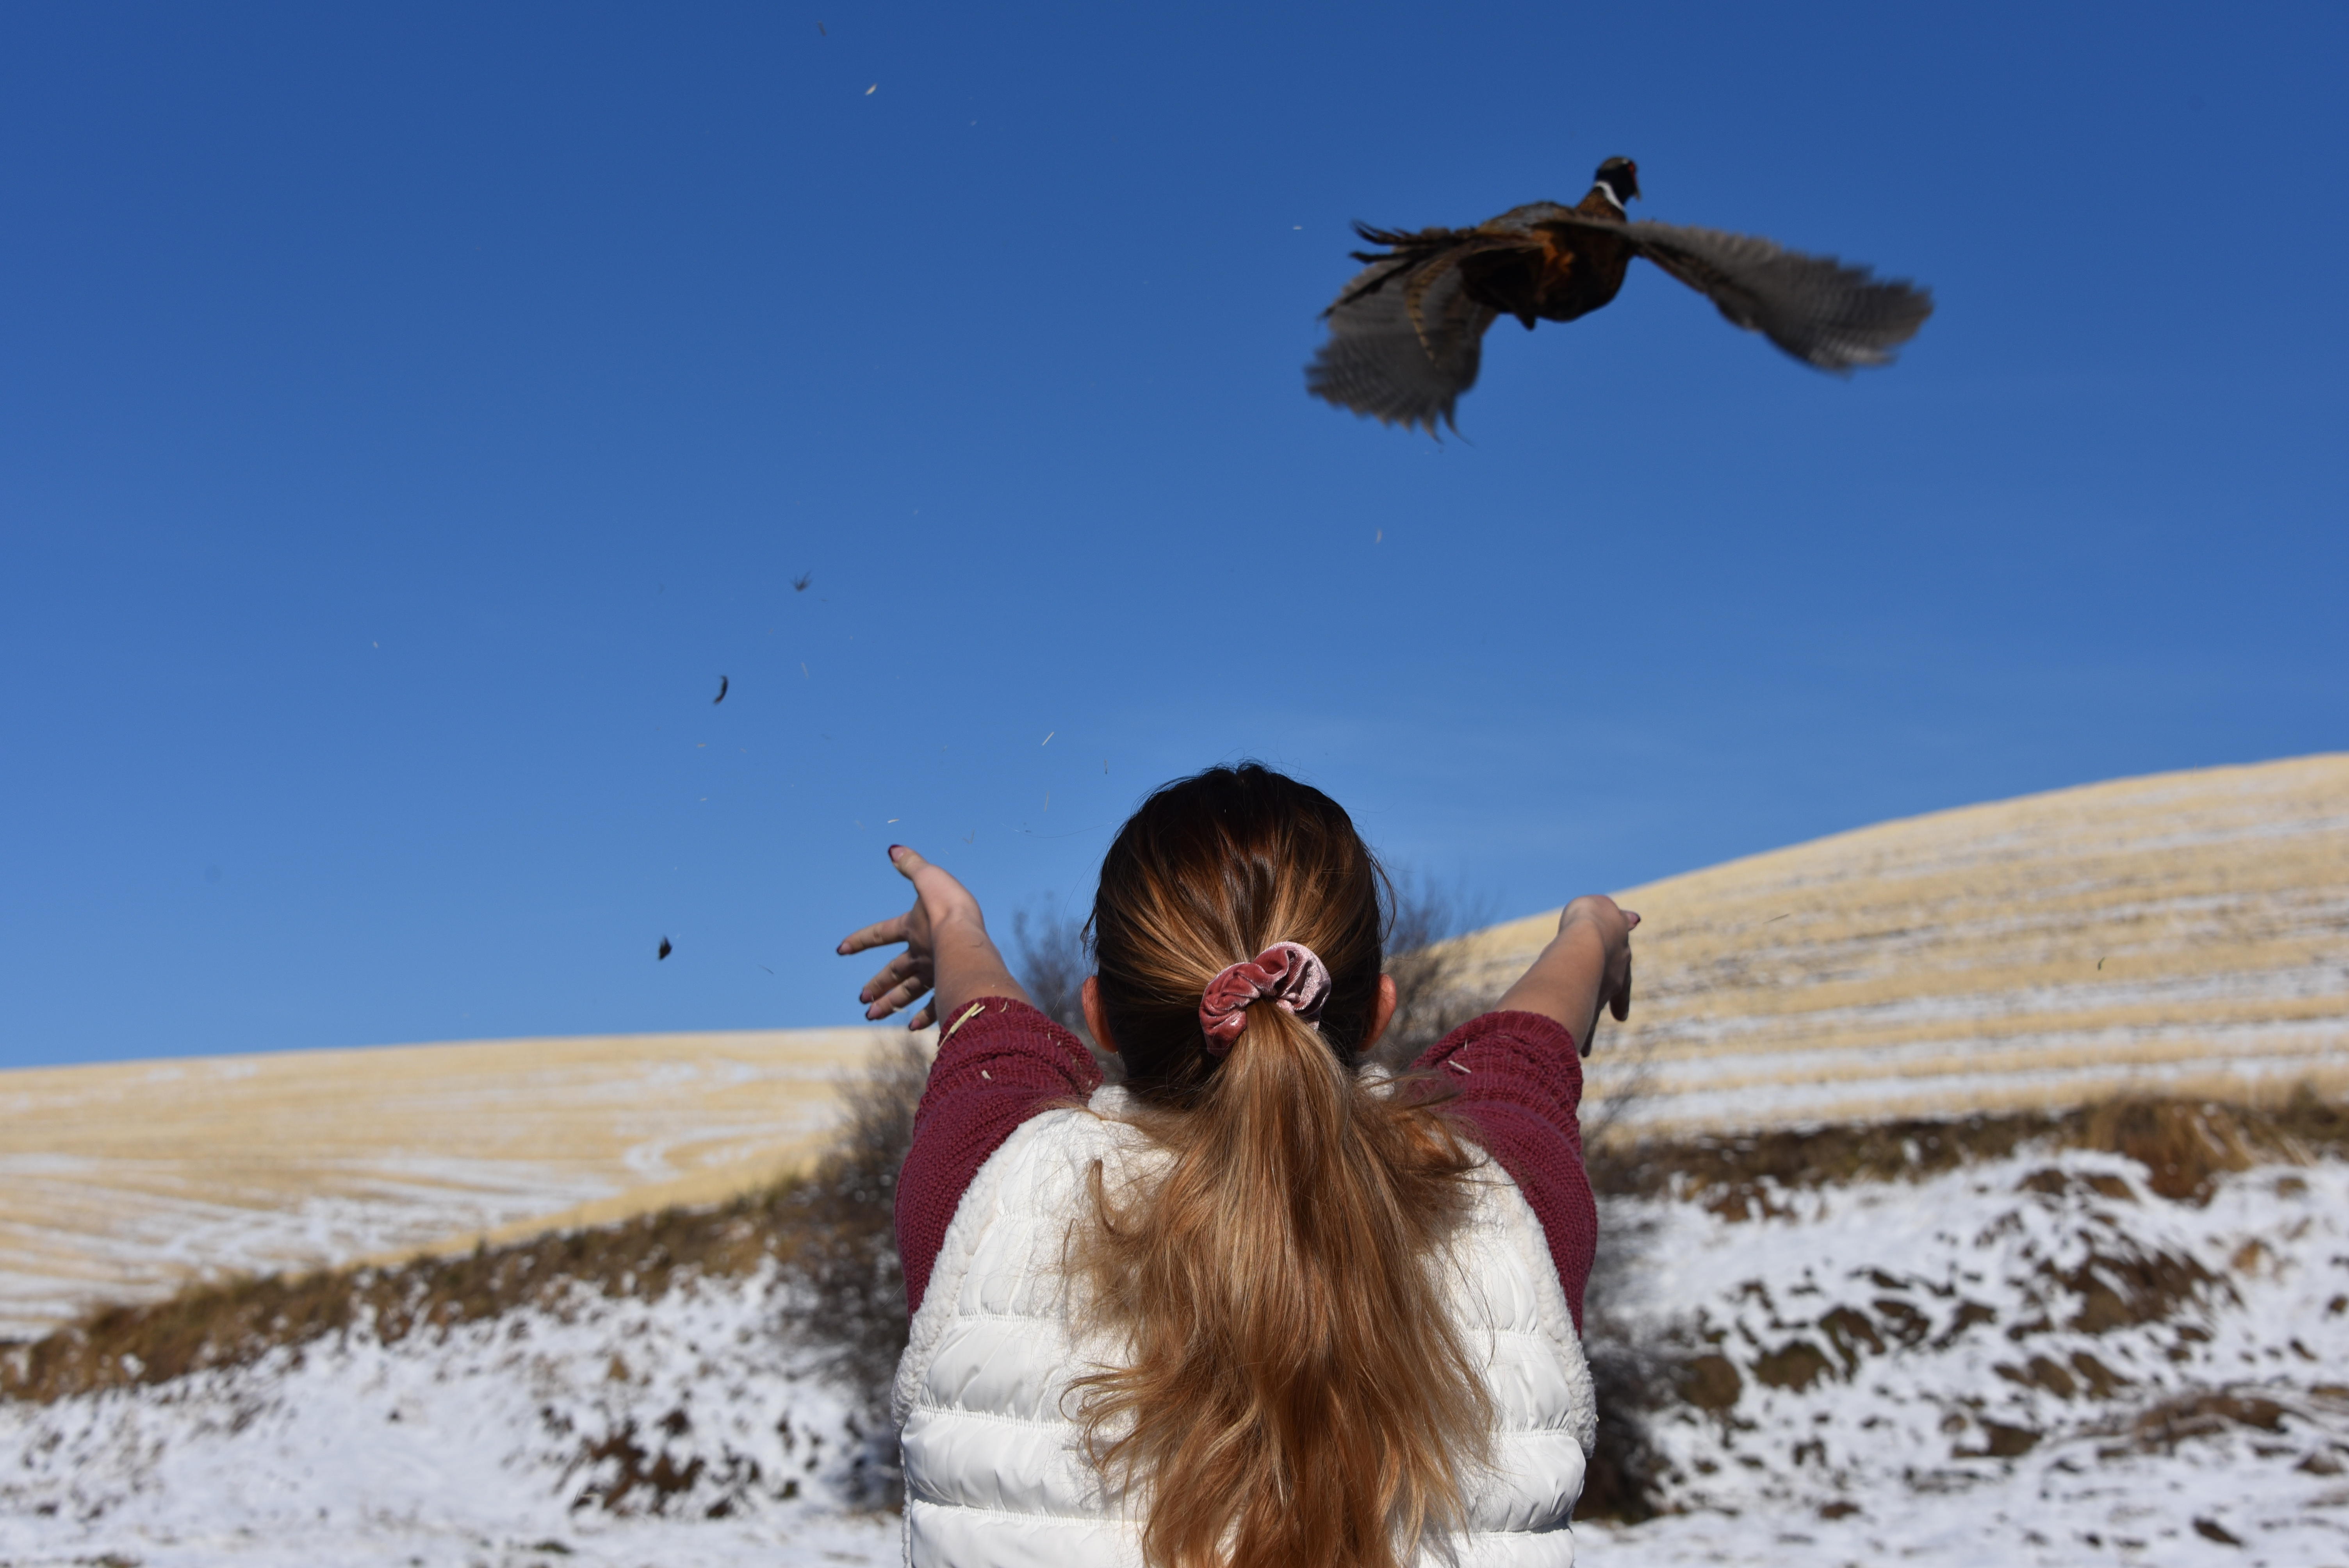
(723, 684)
(799, 582)
(665, 950)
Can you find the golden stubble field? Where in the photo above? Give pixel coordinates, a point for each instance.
(2187, 933)
(122, 1179)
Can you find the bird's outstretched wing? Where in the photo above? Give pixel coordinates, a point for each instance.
(1405, 340)
(1822, 311)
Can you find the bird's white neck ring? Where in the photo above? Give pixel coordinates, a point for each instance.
(1613, 199)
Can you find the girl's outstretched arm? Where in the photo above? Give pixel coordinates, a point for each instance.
(1010, 1063)
(1520, 1089)
(1587, 967)
(949, 954)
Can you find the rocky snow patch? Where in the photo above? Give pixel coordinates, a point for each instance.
(2037, 1360)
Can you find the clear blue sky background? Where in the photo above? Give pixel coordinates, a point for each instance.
(407, 415)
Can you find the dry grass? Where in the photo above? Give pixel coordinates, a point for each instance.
(123, 1178)
(2180, 935)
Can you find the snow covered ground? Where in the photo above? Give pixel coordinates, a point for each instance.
(2031, 1361)
(686, 1431)
(2035, 1360)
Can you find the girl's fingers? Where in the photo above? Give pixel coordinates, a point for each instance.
(900, 965)
(936, 886)
(877, 935)
(909, 975)
(903, 968)
(896, 996)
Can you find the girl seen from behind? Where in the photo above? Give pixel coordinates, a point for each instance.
(1252, 1307)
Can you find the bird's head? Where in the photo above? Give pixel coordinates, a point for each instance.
(1620, 178)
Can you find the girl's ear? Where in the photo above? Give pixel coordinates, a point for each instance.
(1090, 994)
(1381, 1015)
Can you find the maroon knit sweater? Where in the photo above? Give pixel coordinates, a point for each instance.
(1520, 1082)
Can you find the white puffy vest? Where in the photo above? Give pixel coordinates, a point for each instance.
(995, 1476)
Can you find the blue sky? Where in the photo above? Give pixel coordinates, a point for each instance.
(407, 414)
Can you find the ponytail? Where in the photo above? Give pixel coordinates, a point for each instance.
(1295, 1394)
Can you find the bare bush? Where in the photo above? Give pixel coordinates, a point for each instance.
(1635, 1368)
(1054, 963)
(845, 1270)
(1431, 978)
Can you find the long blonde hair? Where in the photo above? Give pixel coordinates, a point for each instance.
(1297, 1395)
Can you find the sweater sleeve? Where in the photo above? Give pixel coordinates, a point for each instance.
(1518, 1086)
(999, 1063)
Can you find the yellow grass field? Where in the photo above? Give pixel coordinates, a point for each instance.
(121, 1180)
(2187, 932)
(2184, 931)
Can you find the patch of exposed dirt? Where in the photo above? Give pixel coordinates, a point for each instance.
(2160, 1427)
(2184, 1146)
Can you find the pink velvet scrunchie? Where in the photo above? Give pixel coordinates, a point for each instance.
(1290, 973)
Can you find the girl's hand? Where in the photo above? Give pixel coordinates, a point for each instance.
(949, 954)
(1585, 970)
(1612, 925)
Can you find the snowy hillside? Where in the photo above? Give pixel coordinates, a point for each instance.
(2036, 1360)
(2031, 1359)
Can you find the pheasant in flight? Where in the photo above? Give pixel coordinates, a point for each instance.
(1406, 335)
